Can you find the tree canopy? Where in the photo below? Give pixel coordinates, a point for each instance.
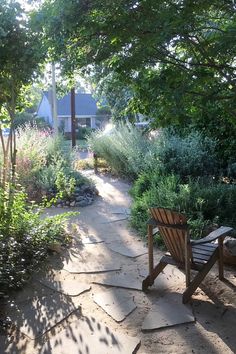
(21, 54)
(176, 57)
(172, 52)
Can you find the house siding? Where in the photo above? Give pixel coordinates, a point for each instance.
(86, 109)
(44, 110)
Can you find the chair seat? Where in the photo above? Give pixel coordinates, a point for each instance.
(202, 253)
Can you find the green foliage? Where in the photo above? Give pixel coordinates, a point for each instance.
(170, 171)
(129, 152)
(65, 186)
(124, 149)
(176, 69)
(41, 161)
(25, 238)
(190, 155)
(22, 52)
(83, 132)
(204, 201)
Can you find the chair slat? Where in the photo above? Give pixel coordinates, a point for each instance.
(173, 237)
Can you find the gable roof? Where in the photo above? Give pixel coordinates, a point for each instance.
(85, 104)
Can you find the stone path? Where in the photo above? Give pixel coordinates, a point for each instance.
(89, 299)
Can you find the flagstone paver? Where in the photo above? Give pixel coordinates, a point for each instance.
(88, 336)
(91, 259)
(121, 281)
(168, 311)
(67, 286)
(170, 277)
(91, 240)
(41, 314)
(128, 249)
(118, 303)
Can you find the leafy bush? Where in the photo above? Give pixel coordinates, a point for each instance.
(204, 201)
(83, 132)
(192, 155)
(171, 171)
(129, 152)
(41, 159)
(124, 148)
(25, 238)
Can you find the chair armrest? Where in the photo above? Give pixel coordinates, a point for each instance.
(221, 231)
(153, 223)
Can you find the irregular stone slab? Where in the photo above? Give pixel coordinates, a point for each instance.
(128, 211)
(116, 302)
(114, 219)
(168, 311)
(128, 249)
(170, 277)
(67, 287)
(94, 267)
(89, 336)
(41, 314)
(90, 240)
(29, 292)
(121, 281)
(90, 260)
(117, 210)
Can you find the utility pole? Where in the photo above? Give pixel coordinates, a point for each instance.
(73, 119)
(54, 100)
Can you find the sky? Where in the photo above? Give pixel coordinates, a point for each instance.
(29, 4)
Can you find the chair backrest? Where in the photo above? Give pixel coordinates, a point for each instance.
(173, 229)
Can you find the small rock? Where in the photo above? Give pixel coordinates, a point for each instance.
(230, 244)
(82, 203)
(79, 198)
(72, 204)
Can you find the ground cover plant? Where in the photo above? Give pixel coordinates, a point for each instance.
(43, 172)
(180, 172)
(43, 166)
(25, 237)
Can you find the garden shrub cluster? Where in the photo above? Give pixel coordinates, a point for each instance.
(43, 166)
(44, 172)
(124, 149)
(173, 171)
(25, 238)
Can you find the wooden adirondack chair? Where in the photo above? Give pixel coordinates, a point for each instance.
(199, 255)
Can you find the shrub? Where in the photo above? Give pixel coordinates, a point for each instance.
(25, 238)
(41, 158)
(124, 148)
(192, 155)
(129, 152)
(204, 201)
(83, 132)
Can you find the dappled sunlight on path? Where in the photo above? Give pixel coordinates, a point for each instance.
(89, 299)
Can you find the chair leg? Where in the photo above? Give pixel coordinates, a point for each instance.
(199, 277)
(149, 280)
(150, 248)
(221, 260)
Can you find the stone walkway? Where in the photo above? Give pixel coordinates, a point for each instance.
(89, 299)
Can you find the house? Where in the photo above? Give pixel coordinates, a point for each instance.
(85, 110)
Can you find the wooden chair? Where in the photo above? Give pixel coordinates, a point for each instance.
(199, 255)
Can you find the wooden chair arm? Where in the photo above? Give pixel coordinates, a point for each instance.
(153, 223)
(221, 231)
